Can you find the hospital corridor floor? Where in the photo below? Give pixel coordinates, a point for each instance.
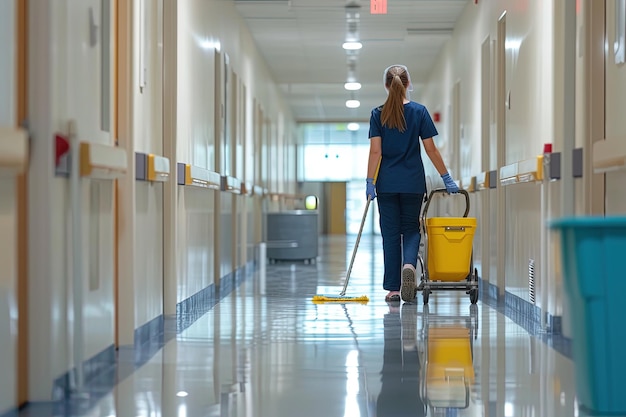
(266, 350)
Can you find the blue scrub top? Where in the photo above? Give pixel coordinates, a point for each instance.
(401, 169)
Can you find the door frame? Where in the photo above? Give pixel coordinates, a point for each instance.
(501, 149)
(485, 130)
(595, 104)
(124, 195)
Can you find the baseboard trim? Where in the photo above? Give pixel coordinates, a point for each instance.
(526, 315)
(103, 371)
(98, 371)
(192, 308)
(195, 306)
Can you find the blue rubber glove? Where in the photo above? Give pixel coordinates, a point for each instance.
(370, 190)
(451, 186)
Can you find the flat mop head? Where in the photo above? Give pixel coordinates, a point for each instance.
(339, 298)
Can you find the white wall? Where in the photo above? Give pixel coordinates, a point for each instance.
(615, 125)
(148, 258)
(196, 87)
(532, 98)
(7, 64)
(148, 138)
(227, 212)
(529, 80)
(65, 84)
(205, 27)
(8, 306)
(196, 237)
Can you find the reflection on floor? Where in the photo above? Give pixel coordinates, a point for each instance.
(267, 351)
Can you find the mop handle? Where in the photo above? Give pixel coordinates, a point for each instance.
(358, 238)
(356, 245)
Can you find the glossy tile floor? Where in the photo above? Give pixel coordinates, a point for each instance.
(266, 350)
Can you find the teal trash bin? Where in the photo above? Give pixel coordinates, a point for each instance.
(594, 275)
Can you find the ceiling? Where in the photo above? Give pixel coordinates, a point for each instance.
(301, 41)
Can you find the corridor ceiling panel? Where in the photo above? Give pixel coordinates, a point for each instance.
(301, 42)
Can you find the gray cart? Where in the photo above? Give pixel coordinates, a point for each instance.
(292, 235)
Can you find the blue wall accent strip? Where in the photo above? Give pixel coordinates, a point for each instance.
(147, 338)
(227, 283)
(526, 315)
(194, 307)
(108, 368)
(98, 371)
(141, 166)
(231, 281)
(488, 290)
(526, 311)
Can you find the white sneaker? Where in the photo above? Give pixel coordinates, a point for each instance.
(407, 288)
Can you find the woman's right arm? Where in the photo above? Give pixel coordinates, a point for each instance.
(435, 156)
(374, 157)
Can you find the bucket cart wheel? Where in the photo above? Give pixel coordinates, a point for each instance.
(422, 276)
(474, 315)
(473, 296)
(425, 295)
(474, 291)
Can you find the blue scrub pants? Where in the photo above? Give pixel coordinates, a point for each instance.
(399, 226)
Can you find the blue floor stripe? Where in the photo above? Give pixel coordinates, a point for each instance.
(527, 316)
(107, 369)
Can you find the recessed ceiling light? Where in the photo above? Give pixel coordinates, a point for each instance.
(353, 127)
(182, 394)
(351, 46)
(352, 86)
(353, 104)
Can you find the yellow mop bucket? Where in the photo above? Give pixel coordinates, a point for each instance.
(450, 242)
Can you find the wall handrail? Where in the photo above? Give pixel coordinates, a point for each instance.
(101, 161)
(158, 168)
(13, 150)
(525, 171)
(482, 181)
(230, 184)
(196, 176)
(609, 155)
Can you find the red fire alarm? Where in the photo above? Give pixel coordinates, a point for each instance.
(62, 146)
(378, 6)
(436, 116)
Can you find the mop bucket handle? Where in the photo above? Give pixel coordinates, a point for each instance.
(444, 191)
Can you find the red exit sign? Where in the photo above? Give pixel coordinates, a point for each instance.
(378, 6)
